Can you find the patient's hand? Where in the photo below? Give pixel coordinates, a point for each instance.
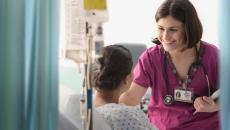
(205, 104)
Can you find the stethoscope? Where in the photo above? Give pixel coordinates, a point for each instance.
(168, 98)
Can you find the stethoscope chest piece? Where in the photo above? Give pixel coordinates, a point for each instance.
(168, 99)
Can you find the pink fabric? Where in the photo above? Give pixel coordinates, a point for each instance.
(178, 116)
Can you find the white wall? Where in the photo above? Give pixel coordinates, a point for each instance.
(133, 20)
(207, 12)
(130, 21)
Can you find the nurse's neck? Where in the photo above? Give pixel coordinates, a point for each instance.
(183, 53)
(191, 52)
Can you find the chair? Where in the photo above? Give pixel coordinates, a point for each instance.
(65, 124)
(136, 49)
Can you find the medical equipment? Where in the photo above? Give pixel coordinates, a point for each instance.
(168, 99)
(75, 28)
(84, 45)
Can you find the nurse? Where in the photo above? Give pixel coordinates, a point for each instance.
(181, 70)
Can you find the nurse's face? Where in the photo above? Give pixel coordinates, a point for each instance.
(171, 34)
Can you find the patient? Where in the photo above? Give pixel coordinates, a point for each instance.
(113, 76)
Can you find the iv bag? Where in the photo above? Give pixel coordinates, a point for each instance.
(75, 47)
(96, 11)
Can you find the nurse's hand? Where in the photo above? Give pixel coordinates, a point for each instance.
(205, 104)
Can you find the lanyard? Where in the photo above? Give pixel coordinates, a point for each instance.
(168, 99)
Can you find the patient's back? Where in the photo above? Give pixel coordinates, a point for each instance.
(120, 116)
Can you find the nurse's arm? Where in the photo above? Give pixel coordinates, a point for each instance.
(133, 95)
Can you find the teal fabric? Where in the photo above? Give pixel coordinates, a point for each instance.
(28, 64)
(224, 40)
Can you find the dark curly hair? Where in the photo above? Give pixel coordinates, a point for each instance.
(112, 68)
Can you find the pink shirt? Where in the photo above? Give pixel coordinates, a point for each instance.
(178, 116)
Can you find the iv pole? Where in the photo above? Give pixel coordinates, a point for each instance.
(96, 14)
(85, 48)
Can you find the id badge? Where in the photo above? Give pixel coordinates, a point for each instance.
(183, 95)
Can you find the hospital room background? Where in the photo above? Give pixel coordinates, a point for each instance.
(30, 102)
